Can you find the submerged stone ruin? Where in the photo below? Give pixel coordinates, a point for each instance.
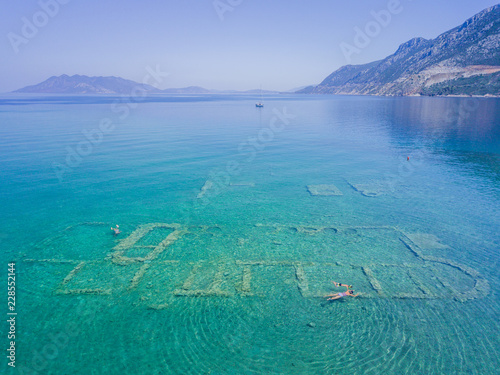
(150, 263)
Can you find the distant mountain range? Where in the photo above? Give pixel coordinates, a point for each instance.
(80, 84)
(461, 61)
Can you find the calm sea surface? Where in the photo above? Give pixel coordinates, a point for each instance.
(235, 221)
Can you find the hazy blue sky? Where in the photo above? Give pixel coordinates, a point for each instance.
(280, 44)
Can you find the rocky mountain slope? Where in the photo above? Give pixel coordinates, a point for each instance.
(457, 62)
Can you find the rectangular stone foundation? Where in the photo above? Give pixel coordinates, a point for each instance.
(406, 271)
(323, 190)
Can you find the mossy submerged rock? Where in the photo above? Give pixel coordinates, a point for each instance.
(323, 189)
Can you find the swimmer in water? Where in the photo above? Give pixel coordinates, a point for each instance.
(116, 230)
(349, 292)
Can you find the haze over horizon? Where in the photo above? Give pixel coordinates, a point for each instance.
(213, 44)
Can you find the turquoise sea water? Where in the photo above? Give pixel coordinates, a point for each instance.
(226, 255)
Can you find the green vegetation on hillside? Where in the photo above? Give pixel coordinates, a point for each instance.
(476, 85)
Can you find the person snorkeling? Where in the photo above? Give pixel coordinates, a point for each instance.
(349, 292)
(116, 231)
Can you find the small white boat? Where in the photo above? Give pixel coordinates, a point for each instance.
(260, 104)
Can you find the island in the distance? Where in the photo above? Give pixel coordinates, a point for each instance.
(81, 84)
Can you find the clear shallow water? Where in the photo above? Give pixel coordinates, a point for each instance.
(238, 284)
